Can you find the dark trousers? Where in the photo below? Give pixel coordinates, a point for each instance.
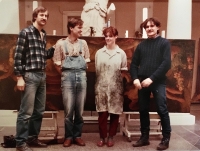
(159, 94)
(102, 119)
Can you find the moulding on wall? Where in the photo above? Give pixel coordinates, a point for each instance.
(66, 16)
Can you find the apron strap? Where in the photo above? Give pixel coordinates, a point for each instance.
(80, 42)
(65, 44)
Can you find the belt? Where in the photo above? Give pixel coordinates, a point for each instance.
(65, 69)
(35, 70)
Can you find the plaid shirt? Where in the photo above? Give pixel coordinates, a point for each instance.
(30, 51)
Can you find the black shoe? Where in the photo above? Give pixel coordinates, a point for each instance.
(143, 141)
(24, 147)
(164, 144)
(36, 143)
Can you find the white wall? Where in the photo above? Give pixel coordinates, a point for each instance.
(9, 16)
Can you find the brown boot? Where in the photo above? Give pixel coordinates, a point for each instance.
(164, 144)
(23, 147)
(35, 142)
(143, 141)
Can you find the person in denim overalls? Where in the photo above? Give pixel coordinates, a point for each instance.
(70, 58)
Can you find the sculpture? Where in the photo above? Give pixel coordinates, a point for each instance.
(94, 15)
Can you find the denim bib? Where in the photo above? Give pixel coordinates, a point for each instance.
(73, 62)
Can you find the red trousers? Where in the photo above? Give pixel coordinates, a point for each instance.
(102, 119)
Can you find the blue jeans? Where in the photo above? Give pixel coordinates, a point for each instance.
(32, 107)
(73, 84)
(159, 94)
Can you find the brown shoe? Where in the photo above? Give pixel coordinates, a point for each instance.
(35, 143)
(110, 142)
(101, 142)
(67, 142)
(164, 144)
(79, 142)
(23, 147)
(143, 141)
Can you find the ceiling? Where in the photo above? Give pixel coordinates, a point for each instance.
(113, 0)
(120, 0)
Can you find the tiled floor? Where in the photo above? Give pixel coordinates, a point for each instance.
(183, 138)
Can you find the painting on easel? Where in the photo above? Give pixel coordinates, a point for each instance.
(179, 77)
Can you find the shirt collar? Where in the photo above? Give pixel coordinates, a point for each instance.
(35, 29)
(154, 37)
(116, 49)
(71, 41)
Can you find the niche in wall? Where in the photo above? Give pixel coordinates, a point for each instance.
(66, 16)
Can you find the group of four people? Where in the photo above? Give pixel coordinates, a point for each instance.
(150, 62)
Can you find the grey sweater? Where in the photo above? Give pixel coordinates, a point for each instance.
(151, 59)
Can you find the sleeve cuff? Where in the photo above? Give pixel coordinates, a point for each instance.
(125, 68)
(58, 63)
(87, 60)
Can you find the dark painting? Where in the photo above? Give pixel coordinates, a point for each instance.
(196, 97)
(179, 77)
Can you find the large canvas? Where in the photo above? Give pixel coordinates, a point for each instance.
(179, 77)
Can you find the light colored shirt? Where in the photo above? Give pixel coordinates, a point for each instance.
(104, 55)
(109, 81)
(72, 48)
